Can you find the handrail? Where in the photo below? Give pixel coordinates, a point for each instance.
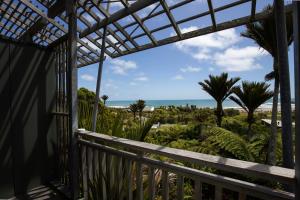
(274, 173)
(214, 179)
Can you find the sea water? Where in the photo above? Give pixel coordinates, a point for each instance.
(200, 103)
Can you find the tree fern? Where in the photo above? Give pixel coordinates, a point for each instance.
(231, 143)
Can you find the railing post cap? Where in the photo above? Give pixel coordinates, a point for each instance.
(81, 130)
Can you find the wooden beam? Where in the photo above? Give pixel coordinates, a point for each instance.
(284, 79)
(222, 26)
(296, 29)
(185, 19)
(53, 11)
(171, 18)
(253, 8)
(72, 86)
(57, 8)
(212, 14)
(117, 25)
(141, 24)
(99, 78)
(35, 28)
(118, 15)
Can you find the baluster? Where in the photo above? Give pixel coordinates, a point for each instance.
(129, 179)
(139, 179)
(90, 164)
(151, 178)
(119, 176)
(84, 172)
(180, 189)
(165, 185)
(88, 169)
(218, 192)
(198, 190)
(242, 195)
(108, 174)
(95, 163)
(102, 172)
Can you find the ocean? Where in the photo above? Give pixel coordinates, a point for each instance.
(200, 103)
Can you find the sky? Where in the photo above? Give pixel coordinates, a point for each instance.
(173, 71)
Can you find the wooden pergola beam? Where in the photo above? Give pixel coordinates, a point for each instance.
(57, 8)
(117, 25)
(186, 19)
(118, 15)
(140, 23)
(171, 17)
(222, 26)
(212, 14)
(253, 8)
(35, 28)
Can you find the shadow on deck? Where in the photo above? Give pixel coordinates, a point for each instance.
(42, 193)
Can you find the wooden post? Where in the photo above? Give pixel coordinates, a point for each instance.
(72, 96)
(99, 77)
(284, 78)
(296, 28)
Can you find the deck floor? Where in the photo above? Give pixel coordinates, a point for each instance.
(41, 193)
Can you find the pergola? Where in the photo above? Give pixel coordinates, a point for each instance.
(85, 31)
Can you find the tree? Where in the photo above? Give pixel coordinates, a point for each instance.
(104, 98)
(264, 34)
(134, 109)
(250, 96)
(219, 87)
(141, 105)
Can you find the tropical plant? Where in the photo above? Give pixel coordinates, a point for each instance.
(264, 34)
(219, 87)
(250, 96)
(134, 109)
(104, 98)
(141, 105)
(231, 143)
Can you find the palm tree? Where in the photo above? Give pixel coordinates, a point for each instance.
(264, 34)
(219, 87)
(250, 96)
(104, 98)
(141, 105)
(134, 109)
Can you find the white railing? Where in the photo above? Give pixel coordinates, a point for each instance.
(118, 168)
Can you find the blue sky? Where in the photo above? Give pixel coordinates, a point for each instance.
(173, 71)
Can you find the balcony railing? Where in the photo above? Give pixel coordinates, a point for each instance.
(117, 168)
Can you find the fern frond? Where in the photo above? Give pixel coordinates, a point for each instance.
(230, 142)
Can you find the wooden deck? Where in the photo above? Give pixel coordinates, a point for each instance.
(41, 193)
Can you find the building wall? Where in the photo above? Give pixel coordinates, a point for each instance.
(28, 140)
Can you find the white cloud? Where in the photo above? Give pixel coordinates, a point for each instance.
(121, 67)
(190, 69)
(111, 86)
(87, 77)
(222, 49)
(218, 40)
(132, 83)
(178, 77)
(142, 78)
(239, 59)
